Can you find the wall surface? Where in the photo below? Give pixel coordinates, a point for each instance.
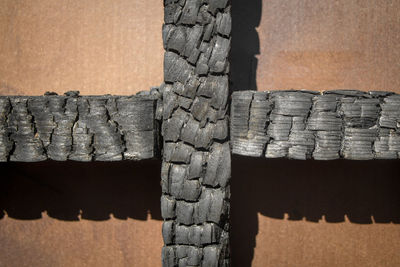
(80, 214)
(96, 47)
(284, 213)
(330, 44)
(315, 213)
(319, 45)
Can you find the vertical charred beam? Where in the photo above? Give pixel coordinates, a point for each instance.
(196, 157)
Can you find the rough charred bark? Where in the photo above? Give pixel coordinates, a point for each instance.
(80, 128)
(324, 126)
(196, 157)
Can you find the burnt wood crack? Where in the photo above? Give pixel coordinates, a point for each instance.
(196, 157)
(335, 124)
(79, 128)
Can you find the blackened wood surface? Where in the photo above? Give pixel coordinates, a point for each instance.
(195, 175)
(81, 128)
(306, 124)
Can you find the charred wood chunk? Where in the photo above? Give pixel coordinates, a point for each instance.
(80, 128)
(196, 152)
(325, 126)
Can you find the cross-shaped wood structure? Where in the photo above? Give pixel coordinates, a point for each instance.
(191, 122)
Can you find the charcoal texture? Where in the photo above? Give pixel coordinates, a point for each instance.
(335, 124)
(80, 128)
(196, 154)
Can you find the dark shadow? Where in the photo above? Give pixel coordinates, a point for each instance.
(246, 16)
(364, 191)
(73, 190)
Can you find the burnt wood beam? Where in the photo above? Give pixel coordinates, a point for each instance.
(80, 128)
(189, 112)
(196, 158)
(336, 124)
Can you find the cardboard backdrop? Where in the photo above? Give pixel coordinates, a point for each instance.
(96, 47)
(284, 213)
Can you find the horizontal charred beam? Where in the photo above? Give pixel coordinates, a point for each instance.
(80, 128)
(336, 124)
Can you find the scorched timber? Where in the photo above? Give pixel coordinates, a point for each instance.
(80, 128)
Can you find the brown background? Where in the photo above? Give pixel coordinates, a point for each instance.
(284, 213)
(96, 47)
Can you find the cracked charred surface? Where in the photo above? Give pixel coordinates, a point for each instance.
(80, 128)
(196, 159)
(325, 126)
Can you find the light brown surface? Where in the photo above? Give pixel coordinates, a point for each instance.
(51, 242)
(96, 47)
(115, 47)
(330, 44)
(301, 243)
(318, 45)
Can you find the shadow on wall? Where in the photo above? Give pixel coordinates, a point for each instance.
(363, 191)
(246, 16)
(72, 190)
